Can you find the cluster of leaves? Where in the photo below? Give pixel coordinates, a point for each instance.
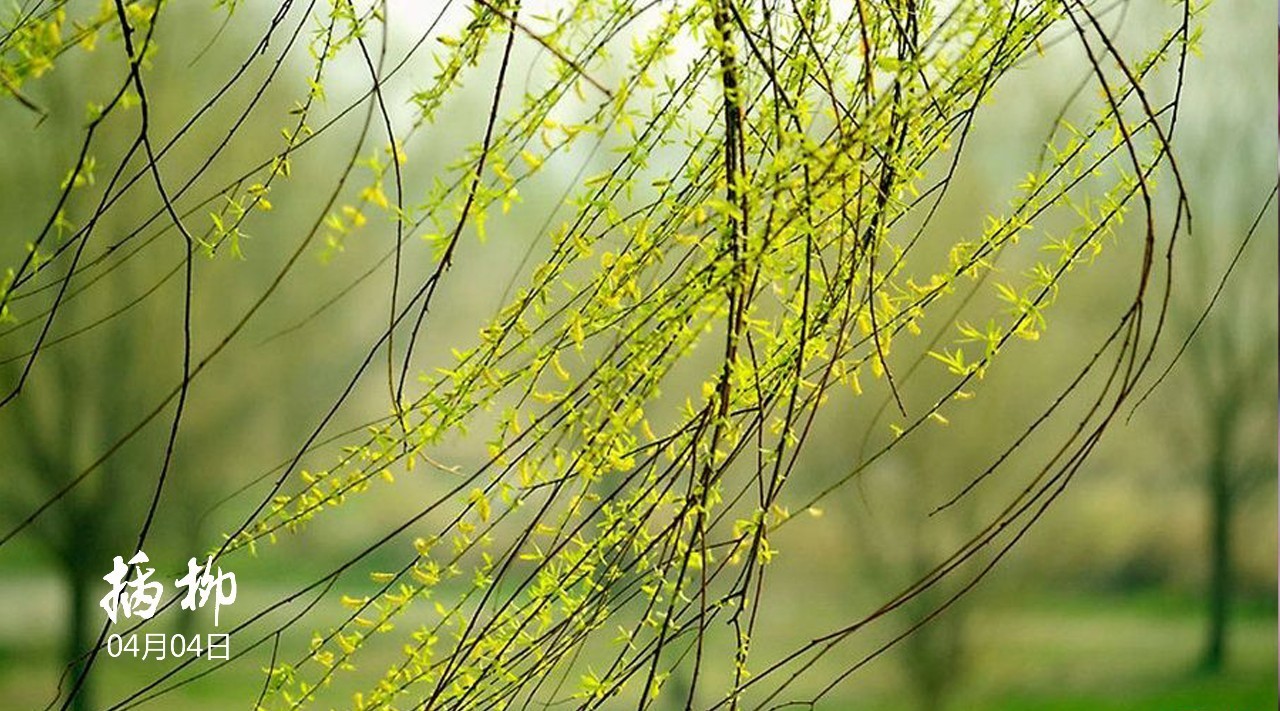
(777, 169)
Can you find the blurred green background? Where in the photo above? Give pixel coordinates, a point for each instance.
(1151, 584)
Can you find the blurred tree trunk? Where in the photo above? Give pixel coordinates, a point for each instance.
(1221, 511)
(80, 624)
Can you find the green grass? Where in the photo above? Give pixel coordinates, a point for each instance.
(1130, 653)
(1232, 691)
(1037, 653)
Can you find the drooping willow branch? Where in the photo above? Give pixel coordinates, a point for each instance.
(777, 169)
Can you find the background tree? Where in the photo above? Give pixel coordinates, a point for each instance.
(1229, 372)
(102, 359)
